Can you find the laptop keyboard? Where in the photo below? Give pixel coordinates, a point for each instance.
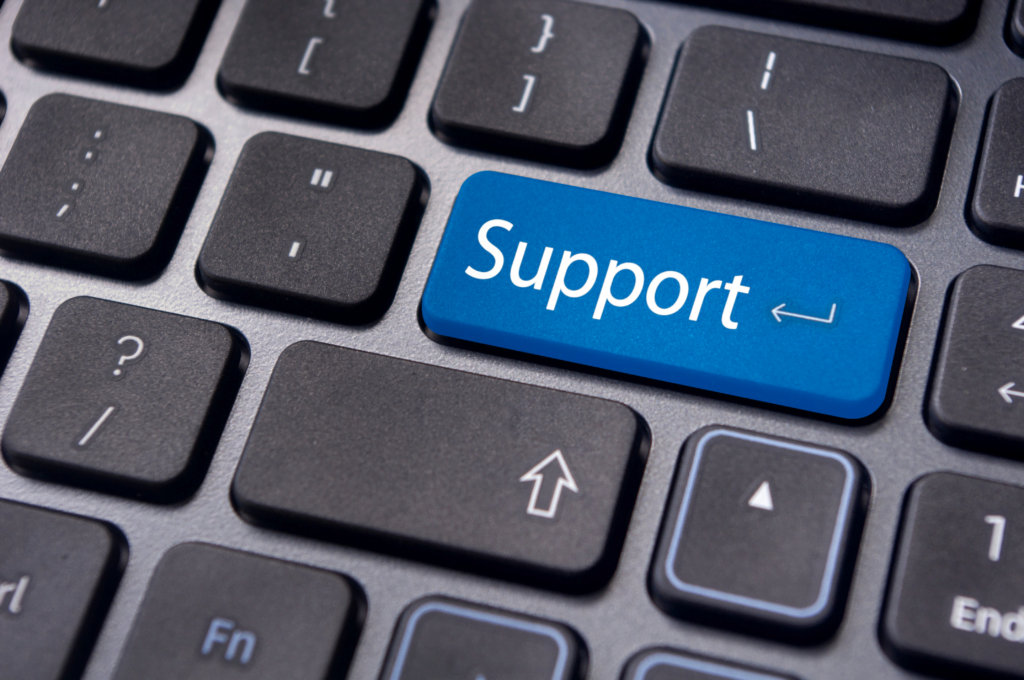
(511, 339)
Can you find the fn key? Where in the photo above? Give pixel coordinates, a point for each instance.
(212, 613)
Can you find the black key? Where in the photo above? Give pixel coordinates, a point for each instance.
(442, 638)
(100, 187)
(668, 664)
(471, 472)
(545, 79)
(928, 21)
(58, 574)
(212, 613)
(124, 399)
(804, 125)
(313, 228)
(760, 535)
(347, 62)
(976, 395)
(1015, 27)
(954, 603)
(151, 44)
(997, 209)
(13, 312)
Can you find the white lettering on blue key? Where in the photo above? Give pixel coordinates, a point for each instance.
(762, 311)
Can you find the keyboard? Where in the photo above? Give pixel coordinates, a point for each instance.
(511, 339)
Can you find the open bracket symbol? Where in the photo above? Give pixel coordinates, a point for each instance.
(140, 347)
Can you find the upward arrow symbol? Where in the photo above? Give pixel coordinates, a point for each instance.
(536, 475)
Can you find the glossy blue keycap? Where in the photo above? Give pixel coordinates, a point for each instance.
(762, 311)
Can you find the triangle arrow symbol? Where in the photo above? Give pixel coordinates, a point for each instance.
(1019, 324)
(762, 498)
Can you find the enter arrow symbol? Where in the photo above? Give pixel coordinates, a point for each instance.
(778, 314)
(536, 475)
(1006, 392)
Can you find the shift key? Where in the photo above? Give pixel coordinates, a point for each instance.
(470, 472)
(785, 316)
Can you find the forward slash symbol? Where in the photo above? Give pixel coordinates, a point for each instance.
(778, 314)
(1007, 393)
(536, 475)
(87, 437)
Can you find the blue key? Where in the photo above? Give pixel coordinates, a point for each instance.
(762, 311)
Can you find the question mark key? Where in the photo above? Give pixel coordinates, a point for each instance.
(124, 400)
(130, 350)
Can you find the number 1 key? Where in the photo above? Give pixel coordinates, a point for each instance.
(956, 594)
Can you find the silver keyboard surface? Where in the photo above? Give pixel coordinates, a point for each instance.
(620, 619)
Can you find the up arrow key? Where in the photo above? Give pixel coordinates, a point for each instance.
(536, 475)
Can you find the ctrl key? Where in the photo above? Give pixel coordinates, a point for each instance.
(955, 604)
(58, 574)
(211, 613)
